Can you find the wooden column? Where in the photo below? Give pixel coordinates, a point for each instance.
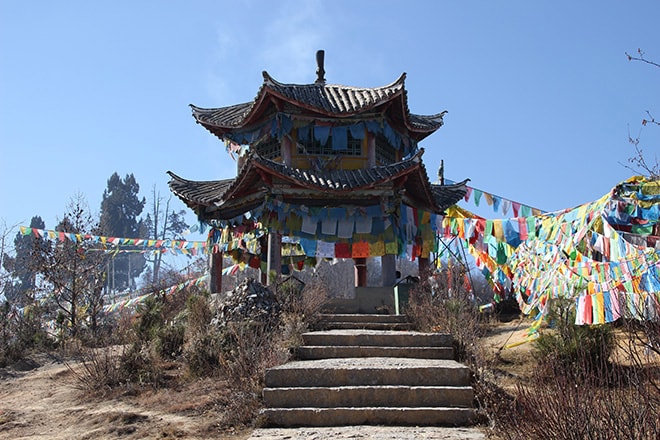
(388, 269)
(274, 267)
(360, 272)
(422, 264)
(215, 278)
(285, 150)
(263, 243)
(371, 150)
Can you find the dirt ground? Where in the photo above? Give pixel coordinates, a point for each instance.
(39, 399)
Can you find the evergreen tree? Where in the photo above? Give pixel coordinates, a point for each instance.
(21, 266)
(120, 210)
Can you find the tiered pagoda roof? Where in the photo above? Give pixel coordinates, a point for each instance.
(225, 199)
(382, 111)
(323, 101)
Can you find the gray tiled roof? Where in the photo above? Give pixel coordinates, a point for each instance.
(200, 195)
(231, 116)
(338, 180)
(448, 195)
(325, 99)
(335, 99)
(204, 193)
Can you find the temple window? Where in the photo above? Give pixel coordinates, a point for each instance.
(269, 148)
(385, 154)
(314, 147)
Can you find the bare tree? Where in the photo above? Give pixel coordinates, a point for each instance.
(163, 223)
(640, 162)
(72, 270)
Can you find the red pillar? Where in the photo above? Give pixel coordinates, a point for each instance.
(215, 279)
(360, 272)
(422, 264)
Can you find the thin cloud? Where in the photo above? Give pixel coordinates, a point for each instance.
(293, 37)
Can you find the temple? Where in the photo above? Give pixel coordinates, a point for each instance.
(323, 171)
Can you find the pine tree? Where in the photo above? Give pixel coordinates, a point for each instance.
(121, 207)
(21, 266)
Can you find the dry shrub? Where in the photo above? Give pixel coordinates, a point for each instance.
(441, 302)
(247, 348)
(608, 404)
(100, 370)
(202, 343)
(250, 351)
(141, 366)
(579, 391)
(21, 332)
(300, 305)
(238, 352)
(146, 338)
(579, 350)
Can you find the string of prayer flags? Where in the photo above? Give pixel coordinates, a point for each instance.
(588, 249)
(500, 204)
(131, 302)
(115, 241)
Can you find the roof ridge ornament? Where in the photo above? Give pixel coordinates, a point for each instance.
(320, 71)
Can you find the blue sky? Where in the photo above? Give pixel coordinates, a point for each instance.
(540, 95)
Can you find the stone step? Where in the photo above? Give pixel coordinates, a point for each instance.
(379, 338)
(368, 396)
(308, 352)
(345, 416)
(368, 371)
(363, 321)
(363, 317)
(342, 325)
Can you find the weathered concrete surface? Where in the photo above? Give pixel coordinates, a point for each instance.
(398, 416)
(368, 371)
(377, 338)
(369, 432)
(364, 300)
(356, 321)
(364, 396)
(308, 352)
(357, 318)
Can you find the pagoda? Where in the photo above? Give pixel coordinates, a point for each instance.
(335, 171)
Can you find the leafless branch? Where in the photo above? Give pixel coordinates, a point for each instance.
(641, 58)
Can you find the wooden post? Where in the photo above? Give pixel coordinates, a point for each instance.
(285, 150)
(274, 266)
(422, 265)
(360, 272)
(371, 150)
(215, 278)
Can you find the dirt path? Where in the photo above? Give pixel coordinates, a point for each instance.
(43, 403)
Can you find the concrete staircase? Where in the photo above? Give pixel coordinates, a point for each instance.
(369, 370)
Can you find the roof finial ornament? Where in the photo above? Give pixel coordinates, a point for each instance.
(441, 172)
(320, 71)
